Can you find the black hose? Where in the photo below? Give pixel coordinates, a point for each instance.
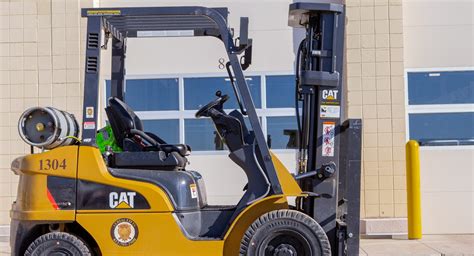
(297, 80)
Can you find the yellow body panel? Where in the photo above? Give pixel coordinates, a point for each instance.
(287, 182)
(92, 167)
(38, 163)
(159, 231)
(247, 217)
(32, 201)
(158, 234)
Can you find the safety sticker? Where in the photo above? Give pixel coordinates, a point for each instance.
(330, 111)
(194, 192)
(89, 125)
(328, 138)
(124, 232)
(89, 112)
(103, 12)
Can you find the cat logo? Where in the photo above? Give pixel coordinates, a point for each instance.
(330, 94)
(122, 200)
(124, 232)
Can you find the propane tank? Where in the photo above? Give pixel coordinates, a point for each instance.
(47, 127)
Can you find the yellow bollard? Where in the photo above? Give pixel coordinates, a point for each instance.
(413, 189)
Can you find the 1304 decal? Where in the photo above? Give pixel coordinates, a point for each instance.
(52, 164)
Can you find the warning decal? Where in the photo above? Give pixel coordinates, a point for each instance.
(89, 125)
(103, 12)
(328, 138)
(89, 112)
(194, 192)
(328, 111)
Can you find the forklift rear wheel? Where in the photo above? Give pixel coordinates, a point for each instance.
(285, 233)
(58, 244)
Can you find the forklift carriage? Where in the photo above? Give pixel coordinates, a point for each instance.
(136, 197)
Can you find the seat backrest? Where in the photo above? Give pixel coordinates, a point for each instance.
(122, 119)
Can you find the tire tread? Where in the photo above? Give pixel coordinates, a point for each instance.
(58, 236)
(285, 214)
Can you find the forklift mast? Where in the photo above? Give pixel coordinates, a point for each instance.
(329, 149)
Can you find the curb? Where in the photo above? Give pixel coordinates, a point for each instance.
(4, 233)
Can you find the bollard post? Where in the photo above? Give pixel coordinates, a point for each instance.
(413, 189)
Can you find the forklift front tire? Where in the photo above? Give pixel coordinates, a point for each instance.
(285, 232)
(58, 243)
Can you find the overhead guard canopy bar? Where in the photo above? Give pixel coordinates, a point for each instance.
(153, 21)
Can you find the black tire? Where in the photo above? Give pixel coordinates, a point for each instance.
(285, 232)
(58, 243)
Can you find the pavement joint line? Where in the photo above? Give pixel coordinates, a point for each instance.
(441, 253)
(436, 251)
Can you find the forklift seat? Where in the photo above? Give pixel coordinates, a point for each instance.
(128, 131)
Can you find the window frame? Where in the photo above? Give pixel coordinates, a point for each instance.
(181, 114)
(433, 108)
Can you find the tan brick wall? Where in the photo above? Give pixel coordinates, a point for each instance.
(374, 37)
(40, 64)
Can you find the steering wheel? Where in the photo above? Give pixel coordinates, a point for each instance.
(204, 111)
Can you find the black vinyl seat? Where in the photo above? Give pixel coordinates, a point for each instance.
(141, 149)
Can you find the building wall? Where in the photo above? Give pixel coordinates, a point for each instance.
(40, 64)
(438, 33)
(447, 193)
(374, 72)
(41, 52)
(438, 36)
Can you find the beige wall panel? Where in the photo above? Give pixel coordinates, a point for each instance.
(438, 33)
(447, 190)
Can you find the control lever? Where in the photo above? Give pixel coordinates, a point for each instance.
(326, 171)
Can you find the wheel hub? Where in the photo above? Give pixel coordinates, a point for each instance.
(285, 250)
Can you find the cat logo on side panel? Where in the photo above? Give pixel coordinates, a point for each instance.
(122, 200)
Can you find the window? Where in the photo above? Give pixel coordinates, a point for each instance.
(166, 129)
(282, 132)
(201, 135)
(457, 128)
(152, 94)
(441, 107)
(167, 107)
(455, 87)
(198, 91)
(280, 91)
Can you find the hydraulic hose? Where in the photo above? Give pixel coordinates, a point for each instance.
(297, 80)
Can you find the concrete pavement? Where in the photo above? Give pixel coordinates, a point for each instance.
(455, 245)
(430, 245)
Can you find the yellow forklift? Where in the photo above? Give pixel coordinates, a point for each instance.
(121, 190)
